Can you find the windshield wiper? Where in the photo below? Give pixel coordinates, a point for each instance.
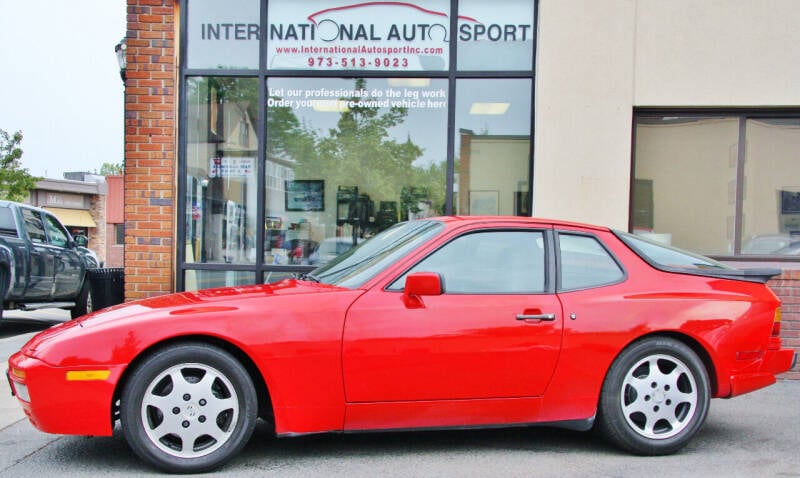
(308, 277)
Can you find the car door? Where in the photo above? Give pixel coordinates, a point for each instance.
(42, 258)
(67, 262)
(494, 332)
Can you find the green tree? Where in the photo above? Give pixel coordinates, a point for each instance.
(15, 181)
(361, 151)
(109, 169)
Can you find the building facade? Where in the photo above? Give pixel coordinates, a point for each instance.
(263, 136)
(115, 222)
(79, 202)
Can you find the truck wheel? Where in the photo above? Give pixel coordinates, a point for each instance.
(83, 303)
(4, 285)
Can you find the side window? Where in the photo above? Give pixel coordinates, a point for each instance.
(34, 226)
(7, 225)
(585, 263)
(56, 233)
(496, 262)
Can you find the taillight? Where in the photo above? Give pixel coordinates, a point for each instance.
(776, 324)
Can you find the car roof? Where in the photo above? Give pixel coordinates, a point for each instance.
(5, 202)
(522, 220)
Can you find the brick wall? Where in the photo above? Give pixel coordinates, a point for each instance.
(787, 287)
(150, 148)
(114, 252)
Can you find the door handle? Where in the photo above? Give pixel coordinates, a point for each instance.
(547, 317)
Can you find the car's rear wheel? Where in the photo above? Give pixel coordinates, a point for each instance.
(655, 397)
(188, 408)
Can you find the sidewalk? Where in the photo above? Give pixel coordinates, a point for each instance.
(10, 409)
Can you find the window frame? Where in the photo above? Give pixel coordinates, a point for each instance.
(548, 260)
(557, 252)
(29, 215)
(119, 234)
(53, 227)
(260, 268)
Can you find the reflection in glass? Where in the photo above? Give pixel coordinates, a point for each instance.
(223, 34)
(270, 277)
(585, 263)
(493, 121)
(221, 152)
(495, 36)
(498, 262)
(685, 181)
(771, 206)
(347, 158)
(200, 279)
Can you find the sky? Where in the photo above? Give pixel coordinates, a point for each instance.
(60, 84)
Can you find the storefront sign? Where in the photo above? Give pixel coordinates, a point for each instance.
(388, 36)
(324, 35)
(227, 167)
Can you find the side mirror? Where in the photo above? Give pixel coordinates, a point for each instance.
(420, 284)
(81, 240)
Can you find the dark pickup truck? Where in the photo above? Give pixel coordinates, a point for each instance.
(41, 265)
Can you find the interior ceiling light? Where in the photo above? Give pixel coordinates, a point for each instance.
(329, 106)
(410, 82)
(489, 108)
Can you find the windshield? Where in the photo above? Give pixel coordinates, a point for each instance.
(667, 257)
(358, 265)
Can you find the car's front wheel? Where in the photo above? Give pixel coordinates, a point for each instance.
(188, 408)
(655, 397)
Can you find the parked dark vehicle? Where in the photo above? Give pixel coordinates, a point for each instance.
(41, 265)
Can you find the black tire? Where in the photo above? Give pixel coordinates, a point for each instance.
(4, 285)
(83, 303)
(188, 392)
(655, 397)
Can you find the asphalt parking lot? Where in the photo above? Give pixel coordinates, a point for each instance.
(755, 435)
(16, 322)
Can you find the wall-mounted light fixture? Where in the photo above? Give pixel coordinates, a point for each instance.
(120, 49)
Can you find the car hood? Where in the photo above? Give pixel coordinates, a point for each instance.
(179, 306)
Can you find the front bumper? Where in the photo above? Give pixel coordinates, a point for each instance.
(55, 404)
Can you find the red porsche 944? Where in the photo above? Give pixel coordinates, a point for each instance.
(436, 323)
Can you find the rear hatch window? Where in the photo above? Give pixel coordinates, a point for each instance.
(672, 259)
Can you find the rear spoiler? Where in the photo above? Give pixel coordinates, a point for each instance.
(760, 274)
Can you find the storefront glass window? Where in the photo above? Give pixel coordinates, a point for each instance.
(313, 144)
(771, 203)
(221, 187)
(199, 279)
(495, 35)
(718, 185)
(492, 147)
(347, 158)
(324, 35)
(223, 34)
(684, 191)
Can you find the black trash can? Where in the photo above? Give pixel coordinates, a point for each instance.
(107, 287)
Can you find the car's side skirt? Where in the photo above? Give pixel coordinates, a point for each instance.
(581, 425)
(442, 414)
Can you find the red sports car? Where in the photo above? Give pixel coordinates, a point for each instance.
(437, 323)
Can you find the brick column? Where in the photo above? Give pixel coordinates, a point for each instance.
(150, 148)
(787, 287)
